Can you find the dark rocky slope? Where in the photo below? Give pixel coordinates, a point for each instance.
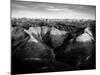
(52, 52)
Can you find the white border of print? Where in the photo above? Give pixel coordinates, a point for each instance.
(5, 53)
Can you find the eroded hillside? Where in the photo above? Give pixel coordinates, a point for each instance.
(49, 45)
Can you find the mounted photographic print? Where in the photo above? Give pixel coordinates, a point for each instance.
(52, 37)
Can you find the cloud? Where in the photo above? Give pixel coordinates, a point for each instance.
(52, 10)
(55, 9)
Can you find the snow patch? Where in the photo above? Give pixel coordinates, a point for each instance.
(86, 36)
(83, 38)
(55, 31)
(32, 38)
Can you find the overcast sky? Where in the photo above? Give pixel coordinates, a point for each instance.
(51, 10)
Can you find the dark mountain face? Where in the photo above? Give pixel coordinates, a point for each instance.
(43, 48)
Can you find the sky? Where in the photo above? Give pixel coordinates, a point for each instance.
(31, 9)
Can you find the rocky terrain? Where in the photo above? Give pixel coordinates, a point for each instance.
(49, 45)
